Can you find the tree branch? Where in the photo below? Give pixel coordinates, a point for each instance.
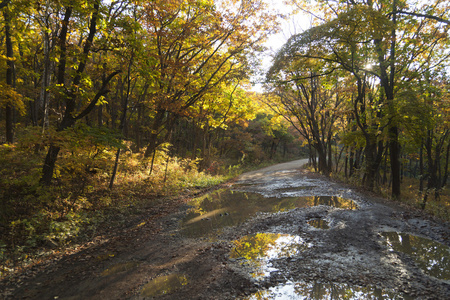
(423, 16)
(306, 77)
(88, 43)
(101, 92)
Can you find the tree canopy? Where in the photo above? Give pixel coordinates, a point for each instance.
(382, 51)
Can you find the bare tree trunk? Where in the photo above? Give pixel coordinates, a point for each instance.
(49, 164)
(351, 164)
(122, 120)
(114, 173)
(444, 180)
(44, 101)
(421, 169)
(155, 128)
(152, 163)
(393, 130)
(395, 162)
(346, 164)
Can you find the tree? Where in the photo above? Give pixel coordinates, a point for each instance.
(197, 45)
(70, 89)
(425, 112)
(353, 35)
(308, 102)
(340, 47)
(9, 71)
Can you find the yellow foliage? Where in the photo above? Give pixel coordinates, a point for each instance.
(4, 57)
(10, 97)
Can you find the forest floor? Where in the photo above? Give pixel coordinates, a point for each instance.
(277, 233)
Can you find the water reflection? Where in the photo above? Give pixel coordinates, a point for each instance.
(319, 223)
(229, 208)
(164, 285)
(432, 257)
(260, 248)
(326, 291)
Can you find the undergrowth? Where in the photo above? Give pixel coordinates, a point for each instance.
(37, 221)
(410, 194)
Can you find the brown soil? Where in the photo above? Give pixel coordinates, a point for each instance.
(350, 252)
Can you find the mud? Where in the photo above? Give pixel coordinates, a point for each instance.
(366, 251)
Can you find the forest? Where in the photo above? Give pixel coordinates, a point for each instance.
(106, 106)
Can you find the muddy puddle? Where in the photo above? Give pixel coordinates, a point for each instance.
(255, 251)
(430, 256)
(294, 189)
(226, 207)
(319, 223)
(164, 285)
(326, 291)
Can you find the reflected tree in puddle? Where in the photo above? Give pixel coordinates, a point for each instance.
(164, 285)
(326, 291)
(332, 201)
(319, 223)
(258, 249)
(432, 257)
(226, 207)
(254, 246)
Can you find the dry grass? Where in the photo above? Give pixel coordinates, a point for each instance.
(410, 195)
(35, 219)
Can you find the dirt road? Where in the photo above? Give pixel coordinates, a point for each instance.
(276, 233)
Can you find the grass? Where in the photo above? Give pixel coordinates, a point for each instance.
(37, 221)
(439, 207)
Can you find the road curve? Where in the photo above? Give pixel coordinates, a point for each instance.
(291, 165)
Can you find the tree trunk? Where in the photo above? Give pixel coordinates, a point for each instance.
(45, 82)
(194, 140)
(385, 168)
(395, 162)
(123, 120)
(371, 166)
(69, 119)
(323, 165)
(155, 129)
(444, 180)
(346, 164)
(116, 166)
(52, 154)
(350, 169)
(393, 130)
(330, 155)
(9, 118)
(49, 164)
(421, 169)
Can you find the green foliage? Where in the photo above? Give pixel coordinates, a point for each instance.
(44, 227)
(40, 219)
(125, 71)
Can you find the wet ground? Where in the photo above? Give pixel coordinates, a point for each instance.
(276, 233)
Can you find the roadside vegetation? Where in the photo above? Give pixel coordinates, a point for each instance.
(39, 221)
(367, 86)
(109, 107)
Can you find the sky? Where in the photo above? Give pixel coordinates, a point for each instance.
(292, 25)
